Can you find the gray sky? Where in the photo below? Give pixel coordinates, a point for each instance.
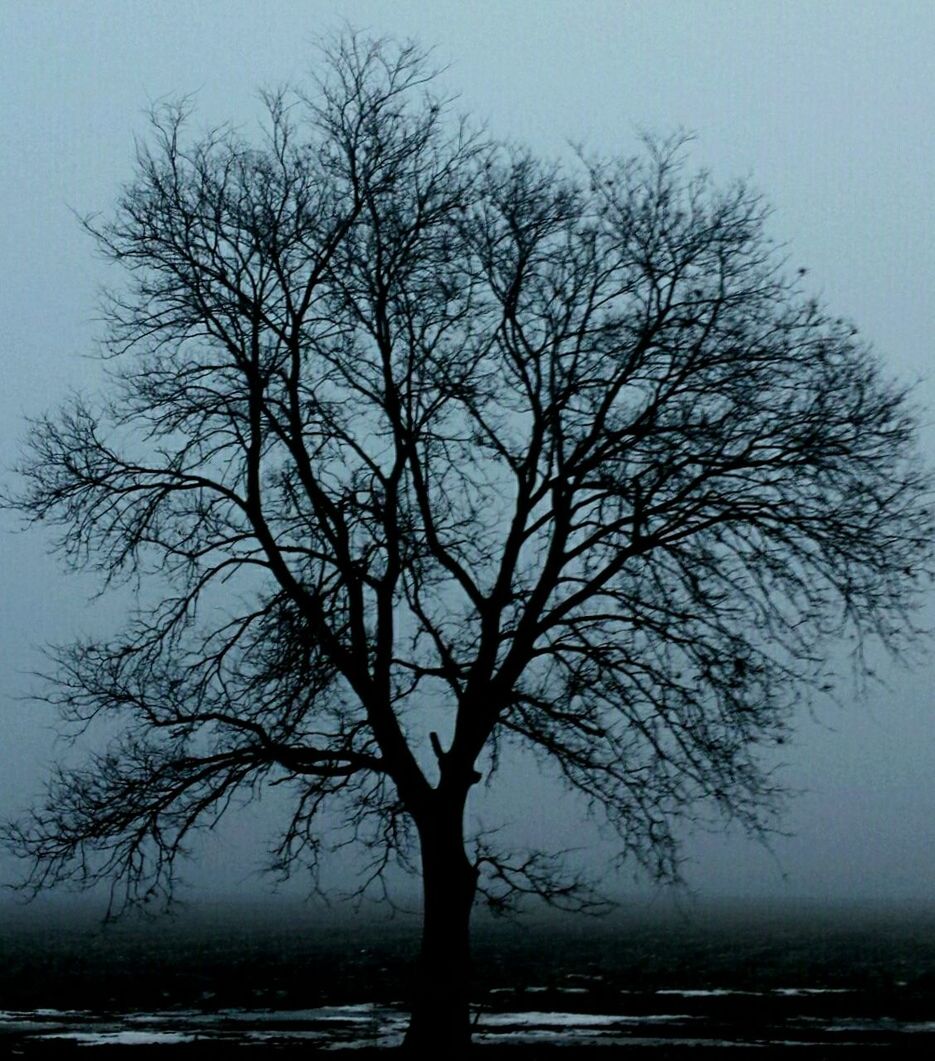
(826, 106)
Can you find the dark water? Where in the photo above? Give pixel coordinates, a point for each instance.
(716, 975)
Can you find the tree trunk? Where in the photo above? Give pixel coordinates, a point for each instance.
(441, 1020)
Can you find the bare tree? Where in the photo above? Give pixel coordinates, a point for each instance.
(406, 419)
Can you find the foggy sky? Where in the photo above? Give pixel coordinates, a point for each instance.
(827, 107)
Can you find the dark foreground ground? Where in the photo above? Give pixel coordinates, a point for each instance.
(711, 981)
(481, 1053)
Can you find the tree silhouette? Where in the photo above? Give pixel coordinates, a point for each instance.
(408, 423)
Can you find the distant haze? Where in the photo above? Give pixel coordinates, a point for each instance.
(827, 107)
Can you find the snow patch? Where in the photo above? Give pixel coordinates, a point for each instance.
(124, 1038)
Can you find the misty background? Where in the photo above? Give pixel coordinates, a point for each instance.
(826, 107)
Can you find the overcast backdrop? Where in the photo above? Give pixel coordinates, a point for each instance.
(827, 106)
